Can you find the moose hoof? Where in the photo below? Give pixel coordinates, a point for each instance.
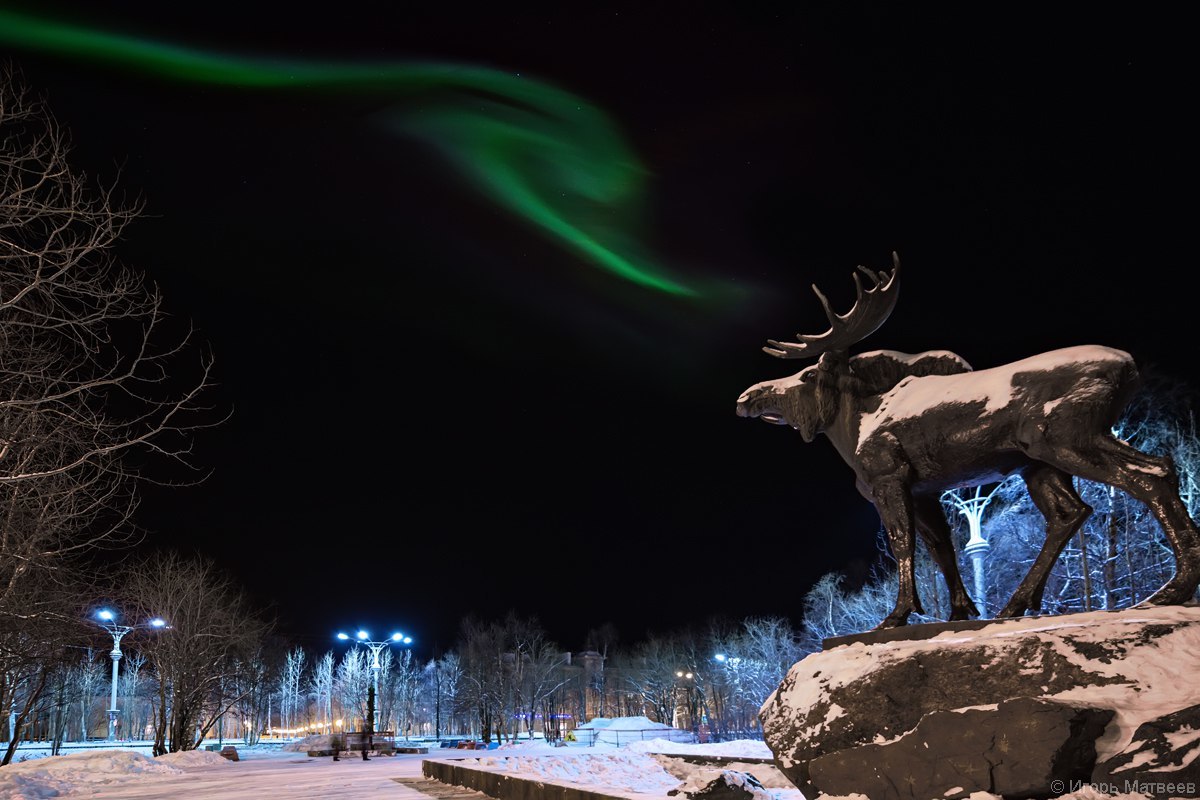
(1175, 592)
(1015, 609)
(964, 612)
(893, 620)
(1164, 597)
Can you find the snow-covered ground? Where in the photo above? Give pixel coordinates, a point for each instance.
(269, 772)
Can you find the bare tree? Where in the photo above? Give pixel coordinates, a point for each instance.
(444, 677)
(290, 681)
(88, 678)
(650, 675)
(322, 688)
(408, 679)
(351, 686)
(90, 374)
(247, 686)
(537, 673)
(754, 664)
(34, 651)
(85, 361)
(135, 715)
(213, 632)
(831, 609)
(486, 675)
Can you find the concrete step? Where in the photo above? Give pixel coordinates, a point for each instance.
(437, 789)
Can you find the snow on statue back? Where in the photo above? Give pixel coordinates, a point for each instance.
(912, 426)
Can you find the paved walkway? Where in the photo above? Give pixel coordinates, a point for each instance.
(273, 776)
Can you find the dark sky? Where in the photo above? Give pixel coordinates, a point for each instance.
(439, 410)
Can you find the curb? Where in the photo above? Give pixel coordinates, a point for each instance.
(506, 787)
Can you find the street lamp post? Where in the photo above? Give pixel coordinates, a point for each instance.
(108, 621)
(689, 692)
(371, 719)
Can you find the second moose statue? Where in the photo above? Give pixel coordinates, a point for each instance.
(913, 426)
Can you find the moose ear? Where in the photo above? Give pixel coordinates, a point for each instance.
(831, 361)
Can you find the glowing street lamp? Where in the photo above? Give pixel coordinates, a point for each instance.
(364, 638)
(108, 621)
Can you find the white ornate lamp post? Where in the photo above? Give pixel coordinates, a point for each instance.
(364, 638)
(108, 621)
(972, 507)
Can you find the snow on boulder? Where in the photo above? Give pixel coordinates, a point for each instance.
(727, 785)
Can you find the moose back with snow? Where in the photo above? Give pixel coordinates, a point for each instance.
(913, 426)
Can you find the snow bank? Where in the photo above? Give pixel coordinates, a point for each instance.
(621, 770)
(194, 758)
(740, 748)
(59, 775)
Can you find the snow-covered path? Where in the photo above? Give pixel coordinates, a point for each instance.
(270, 775)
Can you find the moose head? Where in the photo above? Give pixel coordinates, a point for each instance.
(913, 426)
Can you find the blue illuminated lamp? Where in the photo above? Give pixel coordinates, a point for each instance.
(364, 638)
(108, 620)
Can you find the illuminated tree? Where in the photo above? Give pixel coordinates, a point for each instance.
(291, 699)
(351, 686)
(322, 689)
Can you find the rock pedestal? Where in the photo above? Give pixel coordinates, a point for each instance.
(1011, 707)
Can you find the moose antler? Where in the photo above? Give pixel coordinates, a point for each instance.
(871, 308)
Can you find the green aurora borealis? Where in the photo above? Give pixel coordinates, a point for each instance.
(544, 154)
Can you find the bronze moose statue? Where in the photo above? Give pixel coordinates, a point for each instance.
(913, 426)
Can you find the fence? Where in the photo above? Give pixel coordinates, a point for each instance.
(592, 736)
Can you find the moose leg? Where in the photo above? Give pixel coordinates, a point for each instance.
(896, 510)
(1152, 480)
(931, 524)
(1054, 495)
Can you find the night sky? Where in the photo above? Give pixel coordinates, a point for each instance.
(440, 408)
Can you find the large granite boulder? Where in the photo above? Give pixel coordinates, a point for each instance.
(1009, 708)
(1163, 752)
(1018, 749)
